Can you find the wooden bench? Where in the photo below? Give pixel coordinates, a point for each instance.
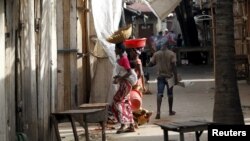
(68, 115)
(94, 106)
(182, 127)
(182, 53)
(98, 117)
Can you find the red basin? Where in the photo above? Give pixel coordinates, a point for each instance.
(135, 43)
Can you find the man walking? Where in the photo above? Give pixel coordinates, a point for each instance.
(165, 60)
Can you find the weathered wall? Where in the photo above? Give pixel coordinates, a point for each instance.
(241, 33)
(28, 69)
(28, 80)
(46, 65)
(11, 31)
(67, 55)
(83, 71)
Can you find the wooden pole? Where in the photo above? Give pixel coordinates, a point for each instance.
(3, 117)
(213, 31)
(84, 77)
(66, 56)
(73, 57)
(60, 57)
(87, 44)
(80, 71)
(53, 52)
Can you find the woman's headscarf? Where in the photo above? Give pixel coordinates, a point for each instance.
(120, 46)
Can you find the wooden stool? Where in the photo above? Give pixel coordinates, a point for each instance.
(100, 117)
(182, 127)
(67, 115)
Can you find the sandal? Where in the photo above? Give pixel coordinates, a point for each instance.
(136, 126)
(129, 129)
(121, 129)
(111, 121)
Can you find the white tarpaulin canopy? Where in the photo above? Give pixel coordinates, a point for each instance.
(163, 7)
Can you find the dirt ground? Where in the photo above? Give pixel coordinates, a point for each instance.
(194, 102)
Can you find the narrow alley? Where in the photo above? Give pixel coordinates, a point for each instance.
(194, 102)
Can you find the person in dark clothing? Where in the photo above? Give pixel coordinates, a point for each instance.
(165, 61)
(179, 41)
